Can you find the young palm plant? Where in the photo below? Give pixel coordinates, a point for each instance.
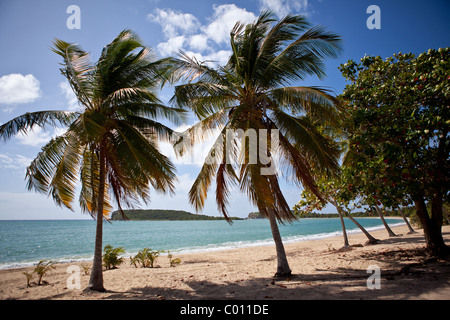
(253, 93)
(110, 146)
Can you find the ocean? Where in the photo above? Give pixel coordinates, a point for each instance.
(25, 242)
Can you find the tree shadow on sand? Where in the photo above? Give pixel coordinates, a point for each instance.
(403, 280)
(405, 274)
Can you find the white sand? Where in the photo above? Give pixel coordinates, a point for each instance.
(320, 271)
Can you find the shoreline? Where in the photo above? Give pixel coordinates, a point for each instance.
(211, 248)
(321, 270)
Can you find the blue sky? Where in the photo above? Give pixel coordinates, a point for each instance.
(30, 79)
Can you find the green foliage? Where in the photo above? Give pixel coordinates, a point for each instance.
(173, 261)
(116, 121)
(156, 214)
(145, 258)
(42, 268)
(111, 257)
(29, 276)
(258, 90)
(397, 120)
(86, 268)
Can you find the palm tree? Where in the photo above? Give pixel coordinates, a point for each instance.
(111, 145)
(253, 93)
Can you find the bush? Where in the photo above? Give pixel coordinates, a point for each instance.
(42, 268)
(145, 258)
(173, 262)
(111, 257)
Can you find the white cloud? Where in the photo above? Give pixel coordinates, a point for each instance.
(206, 43)
(16, 88)
(198, 42)
(172, 46)
(72, 101)
(38, 137)
(14, 162)
(174, 23)
(284, 7)
(224, 18)
(34, 138)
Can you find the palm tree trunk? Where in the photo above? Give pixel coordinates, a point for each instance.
(283, 269)
(96, 279)
(371, 240)
(346, 244)
(411, 230)
(390, 232)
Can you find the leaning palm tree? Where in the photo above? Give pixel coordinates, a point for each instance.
(252, 95)
(110, 146)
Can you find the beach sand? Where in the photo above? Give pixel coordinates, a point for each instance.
(320, 271)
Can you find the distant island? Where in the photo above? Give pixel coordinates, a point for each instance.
(171, 215)
(158, 214)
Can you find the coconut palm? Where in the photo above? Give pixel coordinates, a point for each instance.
(110, 146)
(254, 93)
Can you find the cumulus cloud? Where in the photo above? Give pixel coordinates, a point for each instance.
(171, 46)
(38, 137)
(16, 88)
(284, 7)
(34, 138)
(174, 23)
(224, 18)
(198, 42)
(183, 31)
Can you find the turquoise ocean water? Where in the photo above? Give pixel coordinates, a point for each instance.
(23, 243)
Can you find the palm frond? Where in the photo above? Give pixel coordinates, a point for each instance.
(77, 68)
(54, 171)
(316, 102)
(321, 151)
(29, 120)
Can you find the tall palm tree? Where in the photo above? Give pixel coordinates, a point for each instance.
(111, 145)
(253, 93)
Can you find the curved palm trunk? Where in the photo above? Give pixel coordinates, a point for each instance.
(411, 230)
(390, 232)
(96, 278)
(346, 244)
(283, 269)
(371, 240)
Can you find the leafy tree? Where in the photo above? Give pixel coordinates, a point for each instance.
(110, 146)
(333, 189)
(252, 95)
(397, 113)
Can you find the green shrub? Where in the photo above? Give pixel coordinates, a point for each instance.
(111, 257)
(29, 276)
(42, 268)
(145, 258)
(173, 262)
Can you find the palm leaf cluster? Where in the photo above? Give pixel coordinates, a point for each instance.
(255, 92)
(111, 146)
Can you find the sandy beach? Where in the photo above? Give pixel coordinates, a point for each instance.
(321, 270)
